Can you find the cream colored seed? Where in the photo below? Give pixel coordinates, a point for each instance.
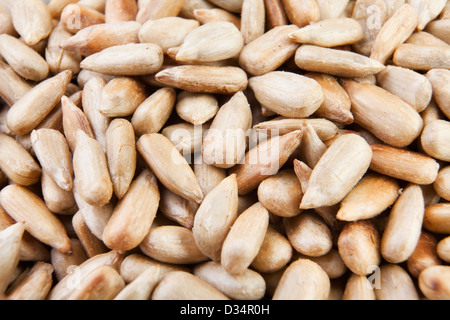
(166, 32)
(412, 87)
(91, 171)
(303, 280)
(269, 51)
(424, 254)
(281, 194)
(75, 17)
(330, 9)
(403, 227)
(302, 12)
(157, 9)
(126, 60)
(287, 93)
(422, 57)
(152, 114)
(395, 284)
(10, 239)
(142, 287)
(172, 244)
(204, 79)
(308, 234)
(225, 143)
(336, 62)
(120, 10)
(333, 167)
(253, 19)
(169, 166)
(439, 28)
(425, 38)
(427, 11)
(24, 60)
(330, 33)
(245, 238)
(371, 104)
(404, 164)
(121, 155)
(359, 246)
(248, 285)
(331, 263)
(186, 137)
(23, 205)
(196, 108)
(36, 284)
(394, 32)
(215, 216)
(12, 86)
(57, 199)
(439, 79)
(191, 5)
(52, 150)
(98, 5)
(6, 24)
(435, 139)
(32, 20)
(121, 97)
(207, 15)
(27, 113)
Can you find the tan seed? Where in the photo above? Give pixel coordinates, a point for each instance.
(126, 60)
(411, 86)
(287, 93)
(441, 184)
(25, 206)
(331, 263)
(275, 14)
(248, 285)
(422, 57)
(373, 194)
(215, 216)
(10, 238)
(435, 139)
(439, 28)
(404, 224)
(424, 254)
(204, 79)
(121, 97)
(142, 287)
(12, 85)
(303, 280)
(404, 164)
(436, 218)
(120, 10)
(157, 9)
(371, 104)
(336, 62)
(425, 38)
(57, 199)
(281, 194)
(395, 284)
(167, 32)
(91, 244)
(359, 246)
(301, 13)
(172, 244)
(152, 113)
(330, 32)
(196, 108)
(269, 51)
(24, 60)
(245, 238)
(169, 166)
(75, 17)
(252, 19)
(264, 160)
(95, 38)
(443, 249)
(91, 171)
(32, 20)
(64, 288)
(340, 178)
(213, 14)
(358, 288)
(63, 263)
(230, 5)
(36, 284)
(177, 208)
(433, 282)
(394, 32)
(439, 79)
(275, 252)
(102, 283)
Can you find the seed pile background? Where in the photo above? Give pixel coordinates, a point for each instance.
(225, 149)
